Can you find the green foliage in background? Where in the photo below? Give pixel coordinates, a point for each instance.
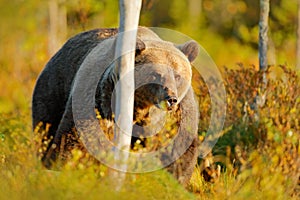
(259, 150)
(228, 30)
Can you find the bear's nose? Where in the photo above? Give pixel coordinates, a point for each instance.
(171, 101)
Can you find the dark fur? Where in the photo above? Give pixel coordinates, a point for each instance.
(52, 97)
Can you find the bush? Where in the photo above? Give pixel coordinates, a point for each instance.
(258, 151)
(261, 143)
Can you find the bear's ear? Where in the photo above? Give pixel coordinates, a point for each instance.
(190, 49)
(140, 46)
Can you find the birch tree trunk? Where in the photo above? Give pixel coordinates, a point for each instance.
(125, 55)
(263, 50)
(57, 25)
(195, 9)
(263, 33)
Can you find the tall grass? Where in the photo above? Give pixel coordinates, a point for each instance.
(259, 159)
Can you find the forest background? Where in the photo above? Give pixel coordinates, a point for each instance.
(260, 159)
(227, 30)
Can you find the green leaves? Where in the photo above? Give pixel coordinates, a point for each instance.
(270, 143)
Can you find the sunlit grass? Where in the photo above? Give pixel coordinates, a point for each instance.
(23, 177)
(259, 160)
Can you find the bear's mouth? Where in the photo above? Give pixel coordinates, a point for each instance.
(167, 104)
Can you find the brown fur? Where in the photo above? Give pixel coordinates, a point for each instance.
(155, 60)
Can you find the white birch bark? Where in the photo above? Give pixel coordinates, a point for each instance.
(263, 33)
(125, 53)
(57, 25)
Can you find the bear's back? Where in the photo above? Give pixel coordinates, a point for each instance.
(54, 84)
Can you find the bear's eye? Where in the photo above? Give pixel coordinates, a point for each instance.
(177, 77)
(137, 61)
(155, 76)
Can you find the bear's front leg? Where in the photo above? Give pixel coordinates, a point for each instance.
(185, 147)
(57, 150)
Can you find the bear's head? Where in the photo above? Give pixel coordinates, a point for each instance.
(162, 75)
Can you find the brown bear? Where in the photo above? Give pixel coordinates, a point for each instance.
(155, 59)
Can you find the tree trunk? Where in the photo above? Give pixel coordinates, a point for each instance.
(263, 33)
(263, 58)
(125, 55)
(195, 9)
(57, 25)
